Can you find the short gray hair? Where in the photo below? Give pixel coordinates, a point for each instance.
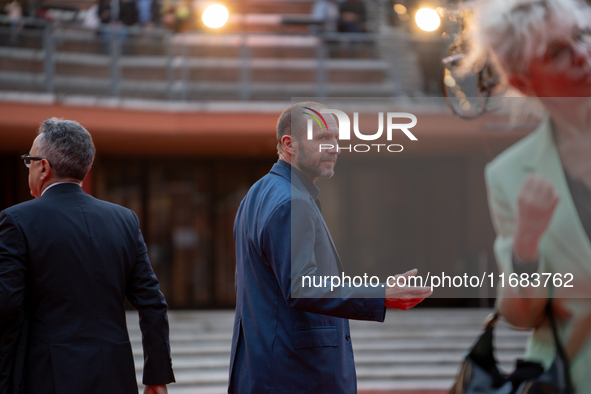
(67, 146)
(511, 33)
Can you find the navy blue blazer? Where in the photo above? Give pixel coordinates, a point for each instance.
(284, 344)
(77, 258)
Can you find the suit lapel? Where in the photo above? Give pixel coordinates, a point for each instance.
(334, 249)
(565, 228)
(295, 182)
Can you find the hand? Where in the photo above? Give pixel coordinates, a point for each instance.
(406, 297)
(536, 202)
(160, 389)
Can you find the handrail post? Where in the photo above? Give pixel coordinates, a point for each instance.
(170, 70)
(49, 59)
(115, 60)
(245, 70)
(185, 70)
(321, 72)
(394, 51)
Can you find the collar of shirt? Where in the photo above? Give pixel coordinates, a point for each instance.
(309, 185)
(57, 183)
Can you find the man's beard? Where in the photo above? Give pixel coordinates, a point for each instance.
(314, 170)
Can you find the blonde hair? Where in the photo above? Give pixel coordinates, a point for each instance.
(511, 33)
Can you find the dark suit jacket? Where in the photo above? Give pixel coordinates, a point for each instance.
(78, 257)
(284, 344)
(13, 347)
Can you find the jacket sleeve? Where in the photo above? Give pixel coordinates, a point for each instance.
(13, 257)
(143, 292)
(288, 242)
(520, 306)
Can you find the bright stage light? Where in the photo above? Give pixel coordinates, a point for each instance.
(215, 16)
(427, 19)
(400, 8)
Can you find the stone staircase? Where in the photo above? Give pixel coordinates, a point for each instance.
(272, 62)
(412, 351)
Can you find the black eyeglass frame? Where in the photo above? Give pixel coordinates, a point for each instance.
(28, 159)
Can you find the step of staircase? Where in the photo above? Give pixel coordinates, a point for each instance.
(414, 351)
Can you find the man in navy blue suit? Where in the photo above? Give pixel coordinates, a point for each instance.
(67, 261)
(288, 339)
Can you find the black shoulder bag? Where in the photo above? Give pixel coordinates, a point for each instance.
(479, 373)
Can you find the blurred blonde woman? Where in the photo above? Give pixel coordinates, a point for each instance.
(539, 189)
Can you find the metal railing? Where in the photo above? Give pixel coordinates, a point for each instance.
(43, 41)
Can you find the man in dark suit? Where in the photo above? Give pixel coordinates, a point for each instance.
(288, 339)
(68, 260)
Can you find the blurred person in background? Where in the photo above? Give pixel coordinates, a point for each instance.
(327, 11)
(115, 15)
(175, 14)
(128, 12)
(104, 11)
(286, 339)
(92, 19)
(15, 16)
(144, 9)
(67, 262)
(539, 189)
(352, 16)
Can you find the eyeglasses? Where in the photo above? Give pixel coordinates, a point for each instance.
(28, 159)
(561, 53)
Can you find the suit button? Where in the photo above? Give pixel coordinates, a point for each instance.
(348, 337)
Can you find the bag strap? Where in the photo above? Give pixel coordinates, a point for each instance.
(559, 348)
(491, 320)
(560, 353)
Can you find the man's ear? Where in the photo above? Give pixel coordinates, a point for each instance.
(46, 170)
(287, 144)
(523, 84)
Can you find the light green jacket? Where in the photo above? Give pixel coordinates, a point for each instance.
(564, 248)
